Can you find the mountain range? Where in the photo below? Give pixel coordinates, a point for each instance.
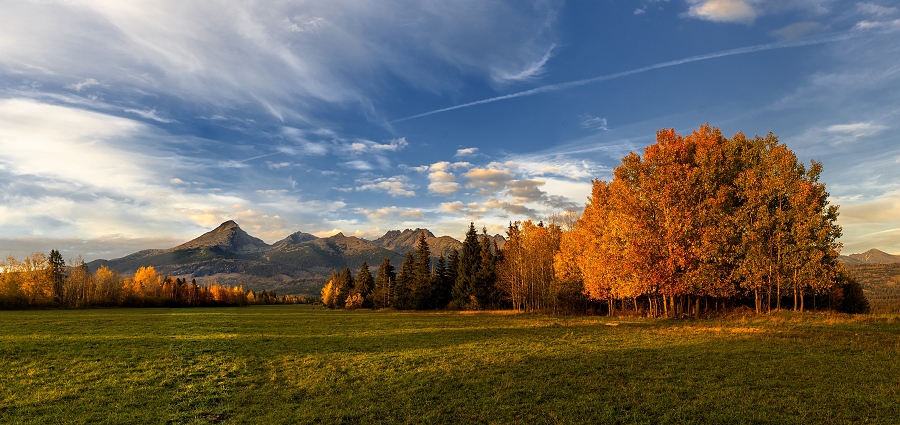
(872, 256)
(299, 263)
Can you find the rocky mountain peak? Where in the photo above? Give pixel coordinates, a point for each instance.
(228, 237)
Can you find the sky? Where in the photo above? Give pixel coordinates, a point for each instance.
(135, 125)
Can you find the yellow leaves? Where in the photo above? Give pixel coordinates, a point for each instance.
(694, 214)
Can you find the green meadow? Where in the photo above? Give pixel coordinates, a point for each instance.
(303, 364)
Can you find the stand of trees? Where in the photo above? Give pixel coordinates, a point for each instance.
(701, 221)
(41, 281)
(467, 280)
(698, 223)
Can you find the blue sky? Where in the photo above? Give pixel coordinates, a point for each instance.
(130, 126)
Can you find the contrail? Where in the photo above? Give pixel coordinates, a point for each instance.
(570, 84)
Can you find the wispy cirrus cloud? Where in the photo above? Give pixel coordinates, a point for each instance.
(857, 130)
(877, 10)
(283, 59)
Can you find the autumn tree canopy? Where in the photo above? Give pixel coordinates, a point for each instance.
(704, 216)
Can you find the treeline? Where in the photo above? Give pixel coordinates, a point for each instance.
(41, 281)
(698, 223)
(465, 280)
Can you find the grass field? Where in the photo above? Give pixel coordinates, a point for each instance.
(300, 364)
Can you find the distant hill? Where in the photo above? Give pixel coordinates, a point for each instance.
(879, 274)
(405, 241)
(872, 256)
(321, 255)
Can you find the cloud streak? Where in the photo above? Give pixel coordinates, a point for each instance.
(577, 83)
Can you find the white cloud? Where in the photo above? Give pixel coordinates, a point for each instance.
(512, 208)
(866, 25)
(857, 130)
(593, 123)
(471, 211)
(277, 165)
(392, 212)
(149, 114)
(84, 84)
(492, 178)
(739, 11)
(394, 186)
(797, 30)
(443, 188)
(531, 71)
(639, 11)
(363, 146)
(73, 173)
(442, 183)
(466, 152)
(875, 9)
(358, 165)
(305, 24)
(249, 55)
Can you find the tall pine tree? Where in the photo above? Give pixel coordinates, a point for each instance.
(443, 286)
(403, 290)
(467, 269)
(383, 294)
(365, 283)
(422, 285)
(57, 274)
(484, 287)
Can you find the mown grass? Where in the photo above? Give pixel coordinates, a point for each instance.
(299, 364)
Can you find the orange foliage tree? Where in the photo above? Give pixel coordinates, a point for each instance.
(704, 218)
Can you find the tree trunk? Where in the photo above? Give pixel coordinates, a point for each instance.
(756, 296)
(801, 301)
(778, 302)
(795, 298)
(665, 306)
(697, 308)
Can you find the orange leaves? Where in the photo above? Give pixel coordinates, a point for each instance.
(700, 215)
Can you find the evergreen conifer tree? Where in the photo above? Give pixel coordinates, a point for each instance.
(484, 287)
(342, 287)
(57, 274)
(365, 283)
(443, 286)
(403, 289)
(383, 294)
(467, 268)
(422, 282)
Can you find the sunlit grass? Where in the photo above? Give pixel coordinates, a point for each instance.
(299, 364)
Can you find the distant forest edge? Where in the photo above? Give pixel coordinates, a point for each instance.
(696, 225)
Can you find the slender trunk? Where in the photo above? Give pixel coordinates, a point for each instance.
(697, 308)
(665, 306)
(778, 302)
(756, 296)
(795, 298)
(801, 300)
